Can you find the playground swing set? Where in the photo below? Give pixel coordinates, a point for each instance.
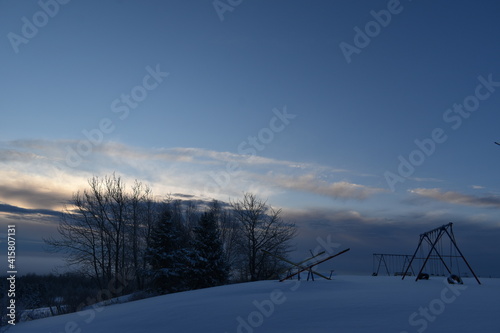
(437, 252)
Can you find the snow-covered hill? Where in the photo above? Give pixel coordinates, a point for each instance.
(346, 304)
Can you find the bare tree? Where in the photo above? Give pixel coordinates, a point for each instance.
(142, 216)
(262, 228)
(105, 229)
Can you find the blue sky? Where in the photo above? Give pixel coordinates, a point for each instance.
(262, 100)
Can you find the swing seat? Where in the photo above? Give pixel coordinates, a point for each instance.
(454, 279)
(423, 276)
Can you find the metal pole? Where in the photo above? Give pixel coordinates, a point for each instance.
(470, 268)
(432, 248)
(439, 254)
(315, 264)
(413, 257)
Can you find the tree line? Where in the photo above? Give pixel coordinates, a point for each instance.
(111, 234)
(56, 293)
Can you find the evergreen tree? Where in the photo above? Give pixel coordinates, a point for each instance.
(210, 267)
(169, 256)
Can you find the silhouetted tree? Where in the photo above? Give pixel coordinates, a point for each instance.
(262, 228)
(210, 267)
(105, 230)
(230, 234)
(169, 255)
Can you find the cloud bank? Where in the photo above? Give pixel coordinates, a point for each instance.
(37, 177)
(458, 198)
(36, 184)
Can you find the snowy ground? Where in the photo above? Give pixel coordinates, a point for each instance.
(346, 304)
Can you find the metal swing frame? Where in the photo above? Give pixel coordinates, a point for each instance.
(433, 237)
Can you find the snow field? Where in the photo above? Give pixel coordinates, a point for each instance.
(346, 304)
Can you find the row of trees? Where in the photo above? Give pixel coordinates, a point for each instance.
(182, 260)
(57, 294)
(112, 234)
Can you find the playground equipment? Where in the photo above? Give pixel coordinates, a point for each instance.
(303, 266)
(432, 247)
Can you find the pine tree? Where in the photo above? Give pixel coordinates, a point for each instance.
(210, 267)
(169, 256)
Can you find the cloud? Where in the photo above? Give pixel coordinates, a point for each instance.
(32, 196)
(18, 156)
(36, 183)
(36, 173)
(417, 179)
(327, 217)
(4, 208)
(458, 198)
(310, 183)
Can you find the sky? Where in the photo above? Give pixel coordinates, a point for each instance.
(367, 122)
